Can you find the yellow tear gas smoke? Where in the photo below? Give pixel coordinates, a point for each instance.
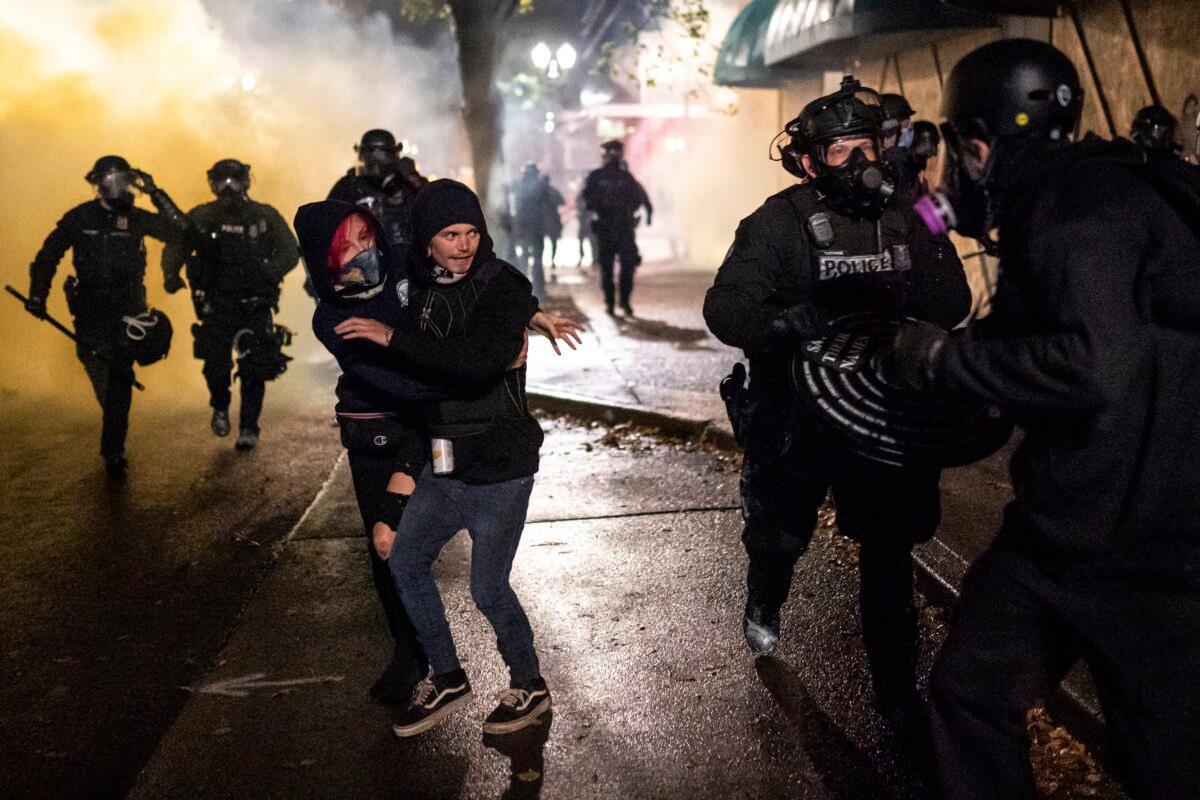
(175, 85)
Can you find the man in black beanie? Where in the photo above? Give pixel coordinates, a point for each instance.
(468, 333)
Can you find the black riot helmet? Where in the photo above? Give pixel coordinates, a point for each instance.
(859, 184)
(1018, 96)
(896, 111)
(926, 140)
(113, 178)
(612, 152)
(229, 178)
(379, 152)
(1013, 86)
(1154, 133)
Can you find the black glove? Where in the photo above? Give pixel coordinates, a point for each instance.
(36, 306)
(144, 182)
(173, 283)
(799, 323)
(913, 359)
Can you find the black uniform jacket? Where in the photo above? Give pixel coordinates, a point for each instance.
(108, 253)
(239, 248)
(614, 196)
(891, 266)
(1094, 344)
(389, 199)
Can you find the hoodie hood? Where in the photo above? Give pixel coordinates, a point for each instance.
(316, 225)
(438, 205)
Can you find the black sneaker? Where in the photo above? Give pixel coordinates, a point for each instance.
(434, 699)
(520, 706)
(761, 629)
(220, 422)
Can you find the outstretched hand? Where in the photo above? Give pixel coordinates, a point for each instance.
(370, 329)
(555, 327)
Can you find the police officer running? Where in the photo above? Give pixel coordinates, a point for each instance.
(612, 197)
(236, 260)
(1092, 345)
(829, 246)
(384, 184)
(106, 237)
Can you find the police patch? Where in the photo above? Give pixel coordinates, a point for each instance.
(836, 265)
(402, 292)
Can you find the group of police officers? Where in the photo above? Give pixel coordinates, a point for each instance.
(235, 254)
(1091, 346)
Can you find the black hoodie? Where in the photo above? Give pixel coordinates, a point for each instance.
(1094, 344)
(370, 380)
(466, 335)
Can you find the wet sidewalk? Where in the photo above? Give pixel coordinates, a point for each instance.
(631, 572)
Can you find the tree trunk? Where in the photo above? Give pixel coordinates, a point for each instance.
(477, 27)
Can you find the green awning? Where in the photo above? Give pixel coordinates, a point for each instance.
(740, 60)
(828, 34)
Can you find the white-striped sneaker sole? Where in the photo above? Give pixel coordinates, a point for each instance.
(433, 719)
(518, 724)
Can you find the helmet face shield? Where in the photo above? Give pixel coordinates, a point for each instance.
(115, 185)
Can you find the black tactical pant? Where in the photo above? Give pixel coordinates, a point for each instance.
(613, 242)
(1019, 626)
(217, 337)
(371, 467)
(788, 470)
(103, 350)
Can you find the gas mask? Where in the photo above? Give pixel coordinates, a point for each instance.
(379, 162)
(115, 189)
(228, 189)
(906, 136)
(962, 202)
(857, 186)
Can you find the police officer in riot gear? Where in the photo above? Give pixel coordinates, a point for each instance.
(384, 184)
(832, 245)
(897, 129)
(1153, 133)
(904, 155)
(1092, 345)
(612, 197)
(235, 263)
(106, 237)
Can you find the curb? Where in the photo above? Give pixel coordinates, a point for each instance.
(706, 431)
(939, 570)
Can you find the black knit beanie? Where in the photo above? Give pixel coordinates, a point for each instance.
(443, 203)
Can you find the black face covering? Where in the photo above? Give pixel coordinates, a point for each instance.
(858, 186)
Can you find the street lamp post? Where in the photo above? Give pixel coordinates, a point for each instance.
(555, 63)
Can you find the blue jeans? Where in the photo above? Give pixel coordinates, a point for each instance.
(494, 516)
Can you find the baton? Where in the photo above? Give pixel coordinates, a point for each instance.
(70, 334)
